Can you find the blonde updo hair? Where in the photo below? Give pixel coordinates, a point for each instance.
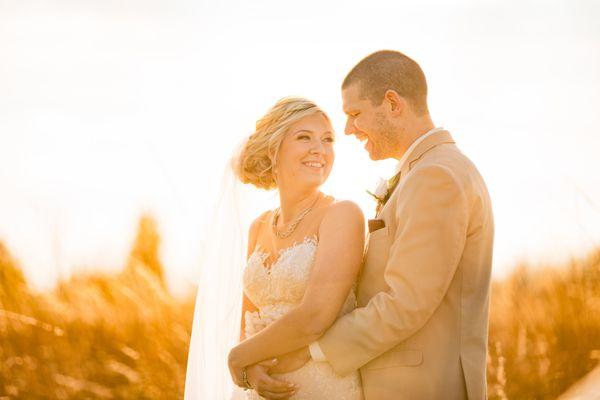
(254, 164)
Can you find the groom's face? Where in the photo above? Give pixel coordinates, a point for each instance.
(369, 123)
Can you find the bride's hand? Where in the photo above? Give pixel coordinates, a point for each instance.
(291, 361)
(265, 385)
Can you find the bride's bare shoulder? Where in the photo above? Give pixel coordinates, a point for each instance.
(344, 222)
(343, 209)
(262, 218)
(257, 224)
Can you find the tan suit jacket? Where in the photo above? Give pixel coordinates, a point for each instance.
(420, 329)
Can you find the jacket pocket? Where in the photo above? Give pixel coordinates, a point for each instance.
(379, 233)
(378, 247)
(397, 358)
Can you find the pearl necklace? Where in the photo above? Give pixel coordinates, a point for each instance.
(292, 227)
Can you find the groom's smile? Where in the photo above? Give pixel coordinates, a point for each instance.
(378, 123)
(367, 142)
(364, 139)
(361, 118)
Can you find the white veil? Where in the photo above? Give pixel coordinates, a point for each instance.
(217, 314)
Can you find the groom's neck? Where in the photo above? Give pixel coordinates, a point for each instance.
(413, 130)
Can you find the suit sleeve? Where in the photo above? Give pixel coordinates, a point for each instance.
(432, 221)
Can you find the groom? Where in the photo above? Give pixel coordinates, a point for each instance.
(420, 327)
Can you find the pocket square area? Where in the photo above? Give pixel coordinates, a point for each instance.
(375, 224)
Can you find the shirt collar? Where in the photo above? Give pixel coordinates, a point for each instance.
(413, 146)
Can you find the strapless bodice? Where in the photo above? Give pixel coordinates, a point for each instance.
(275, 290)
(284, 282)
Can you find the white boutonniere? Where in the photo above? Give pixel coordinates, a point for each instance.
(381, 190)
(384, 189)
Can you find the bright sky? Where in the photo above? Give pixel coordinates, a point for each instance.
(110, 108)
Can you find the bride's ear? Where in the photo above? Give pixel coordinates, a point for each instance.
(274, 171)
(395, 103)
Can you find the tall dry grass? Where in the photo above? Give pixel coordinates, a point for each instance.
(124, 336)
(544, 329)
(95, 337)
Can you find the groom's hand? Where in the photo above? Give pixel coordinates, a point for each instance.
(266, 386)
(291, 361)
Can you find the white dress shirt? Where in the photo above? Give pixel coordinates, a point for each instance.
(315, 350)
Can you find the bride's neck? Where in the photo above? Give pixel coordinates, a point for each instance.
(294, 202)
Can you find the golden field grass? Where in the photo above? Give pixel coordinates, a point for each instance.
(124, 336)
(544, 329)
(95, 337)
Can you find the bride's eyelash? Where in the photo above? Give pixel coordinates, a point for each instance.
(328, 139)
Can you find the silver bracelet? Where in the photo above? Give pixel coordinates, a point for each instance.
(247, 384)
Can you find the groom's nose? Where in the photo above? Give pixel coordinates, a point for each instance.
(349, 129)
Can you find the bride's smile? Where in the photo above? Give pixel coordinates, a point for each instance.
(314, 164)
(306, 155)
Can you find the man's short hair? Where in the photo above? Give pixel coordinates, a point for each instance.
(390, 70)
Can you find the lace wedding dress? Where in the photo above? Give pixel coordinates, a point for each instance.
(275, 291)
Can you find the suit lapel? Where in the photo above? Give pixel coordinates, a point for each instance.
(436, 139)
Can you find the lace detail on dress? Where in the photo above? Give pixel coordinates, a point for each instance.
(275, 291)
(285, 280)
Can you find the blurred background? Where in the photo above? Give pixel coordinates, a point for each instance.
(117, 119)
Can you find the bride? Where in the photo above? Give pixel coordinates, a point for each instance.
(302, 261)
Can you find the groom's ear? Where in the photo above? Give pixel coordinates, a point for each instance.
(395, 103)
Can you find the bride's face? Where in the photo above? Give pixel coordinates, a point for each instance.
(306, 154)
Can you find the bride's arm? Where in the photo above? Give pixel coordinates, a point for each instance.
(247, 305)
(257, 375)
(337, 262)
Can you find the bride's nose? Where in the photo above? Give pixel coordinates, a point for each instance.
(317, 148)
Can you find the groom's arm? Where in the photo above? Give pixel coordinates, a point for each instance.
(432, 216)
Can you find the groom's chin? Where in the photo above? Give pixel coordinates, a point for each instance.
(371, 151)
(373, 156)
